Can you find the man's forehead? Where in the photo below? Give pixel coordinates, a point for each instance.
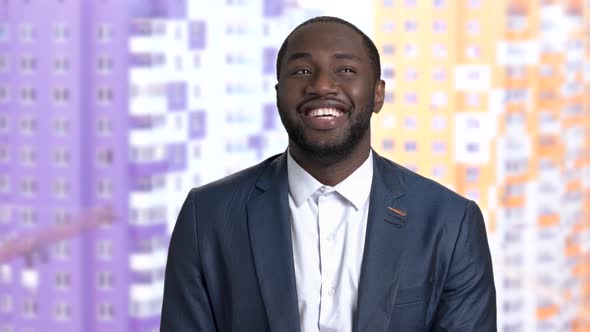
(322, 35)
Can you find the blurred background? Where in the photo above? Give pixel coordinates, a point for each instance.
(110, 111)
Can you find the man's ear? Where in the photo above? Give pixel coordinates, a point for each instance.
(379, 97)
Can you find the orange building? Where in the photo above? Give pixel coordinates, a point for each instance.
(487, 97)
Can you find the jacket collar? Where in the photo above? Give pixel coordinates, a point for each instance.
(383, 257)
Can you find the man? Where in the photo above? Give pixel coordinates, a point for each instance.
(328, 236)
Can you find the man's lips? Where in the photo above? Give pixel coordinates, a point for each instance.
(324, 115)
(327, 108)
(324, 112)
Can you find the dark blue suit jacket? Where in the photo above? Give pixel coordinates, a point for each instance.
(426, 263)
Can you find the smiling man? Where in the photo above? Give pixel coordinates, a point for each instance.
(328, 236)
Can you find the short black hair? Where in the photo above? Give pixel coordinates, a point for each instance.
(371, 48)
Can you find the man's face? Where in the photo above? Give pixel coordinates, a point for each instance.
(327, 91)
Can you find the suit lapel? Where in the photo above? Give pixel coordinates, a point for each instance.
(270, 236)
(384, 256)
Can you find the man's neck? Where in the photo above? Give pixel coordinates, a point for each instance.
(330, 171)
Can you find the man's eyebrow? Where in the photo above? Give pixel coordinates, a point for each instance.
(298, 55)
(347, 56)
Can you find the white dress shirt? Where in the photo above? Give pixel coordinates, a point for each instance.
(328, 226)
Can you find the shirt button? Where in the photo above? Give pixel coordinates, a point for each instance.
(331, 291)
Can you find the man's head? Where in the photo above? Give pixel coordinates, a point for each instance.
(328, 87)
(367, 42)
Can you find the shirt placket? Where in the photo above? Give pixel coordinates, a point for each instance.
(327, 215)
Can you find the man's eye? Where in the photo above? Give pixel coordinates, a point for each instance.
(346, 70)
(301, 71)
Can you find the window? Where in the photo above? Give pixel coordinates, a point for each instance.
(104, 250)
(106, 311)
(438, 147)
(28, 64)
(104, 33)
(410, 122)
(3, 94)
(105, 280)
(63, 311)
(438, 3)
(3, 63)
(410, 146)
(4, 184)
(104, 188)
(61, 33)
(473, 51)
(474, 3)
(61, 188)
(439, 26)
(104, 126)
(389, 97)
(388, 26)
(62, 280)
(61, 157)
(28, 126)
(61, 251)
(28, 95)
(439, 51)
(3, 124)
(388, 49)
(61, 95)
(388, 73)
(61, 126)
(473, 27)
(61, 65)
(472, 174)
(104, 157)
(4, 154)
(473, 147)
(411, 25)
(4, 33)
(27, 33)
(29, 308)
(411, 74)
(438, 171)
(411, 98)
(388, 144)
(197, 61)
(28, 186)
(28, 157)
(439, 123)
(104, 64)
(411, 50)
(5, 215)
(6, 303)
(28, 216)
(472, 99)
(104, 95)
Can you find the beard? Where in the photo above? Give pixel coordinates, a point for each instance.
(337, 148)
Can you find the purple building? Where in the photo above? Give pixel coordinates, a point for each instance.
(63, 151)
(76, 134)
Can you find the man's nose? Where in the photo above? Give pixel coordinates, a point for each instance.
(322, 83)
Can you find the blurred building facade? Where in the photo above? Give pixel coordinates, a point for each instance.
(130, 104)
(491, 99)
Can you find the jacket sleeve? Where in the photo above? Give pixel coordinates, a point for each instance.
(468, 300)
(186, 305)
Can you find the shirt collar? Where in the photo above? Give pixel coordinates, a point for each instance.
(356, 188)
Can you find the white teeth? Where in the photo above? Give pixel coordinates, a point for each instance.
(325, 111)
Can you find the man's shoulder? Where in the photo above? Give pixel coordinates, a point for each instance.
(430, 191)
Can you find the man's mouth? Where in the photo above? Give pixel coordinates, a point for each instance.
(324, 112)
